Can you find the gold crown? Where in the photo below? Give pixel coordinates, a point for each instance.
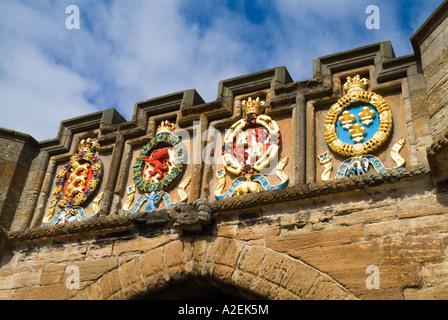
(87, 145)
(355, 83)
(165, 126)
(86, 149)
(253, 106)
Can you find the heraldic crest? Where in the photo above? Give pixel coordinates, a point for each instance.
(75, 183)
(250, 145)
(156, 168)
(356, 126)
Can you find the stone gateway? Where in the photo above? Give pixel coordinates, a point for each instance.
(329, 188)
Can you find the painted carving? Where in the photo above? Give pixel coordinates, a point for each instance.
(357, 125)
(156, 168)
(250, 145)
(75, 183)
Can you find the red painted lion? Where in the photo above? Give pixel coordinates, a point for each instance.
(159, 159)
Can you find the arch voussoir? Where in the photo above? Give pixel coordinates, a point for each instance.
(250, 271)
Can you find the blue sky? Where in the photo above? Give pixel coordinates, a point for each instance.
(133, 50)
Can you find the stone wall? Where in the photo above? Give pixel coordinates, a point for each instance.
(380, 235)
(430, 44)
(315, 243)
(17, 152)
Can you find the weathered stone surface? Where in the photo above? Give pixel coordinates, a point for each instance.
(205, 253)
(109, 284)
(94, 269)
(365, 213)
(435, 273)
(399, 250)
(252, 260)
(175, 258)
(340, 257)
(330, 237)
(274, 268)
(53, 292)
(423, 205)
(21, 277)
(98, 251)
(130, 273)
(152, 262)
(326, 290)
(139, 245)
(257, 231)
(387, 294)
(389, 277)
(300, 279)
(439, 292)
(229, 252)
(52, 274)
(415, 226)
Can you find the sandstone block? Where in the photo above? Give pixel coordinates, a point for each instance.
(91, 292)
(252, 260)
(243, 279)
(415, 226)
(263, 288)
(152, 262)
(98, 251)
(258, 231)
(205, 254)
(223, 273)
(400, 250)
(275, 267)
(26, 277)
(423, 205)
(324, 289)
(52, 292)
(439, 292)
(227, 231)
(300, 279)
(174, 253)
(389, 277)
(93, 269)
(7, 295)
(52, 274)
(366, 214)
(340, 257)
(328, 237)
(435, 274)
(283, 294)
(130, 273)
(229, 252)
(109, 284)
(140, 245)
(386, 294)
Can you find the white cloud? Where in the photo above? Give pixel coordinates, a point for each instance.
(127, 51)
(37, 93)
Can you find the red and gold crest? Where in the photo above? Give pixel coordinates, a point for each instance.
(75, 183)
(250, 145)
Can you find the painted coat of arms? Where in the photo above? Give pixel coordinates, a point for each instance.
(157, 167)
(250, 145)
(356, 126)
(75, 183)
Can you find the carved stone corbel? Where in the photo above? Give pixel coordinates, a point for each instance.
(191, 216)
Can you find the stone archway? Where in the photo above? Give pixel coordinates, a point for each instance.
(234, 267)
